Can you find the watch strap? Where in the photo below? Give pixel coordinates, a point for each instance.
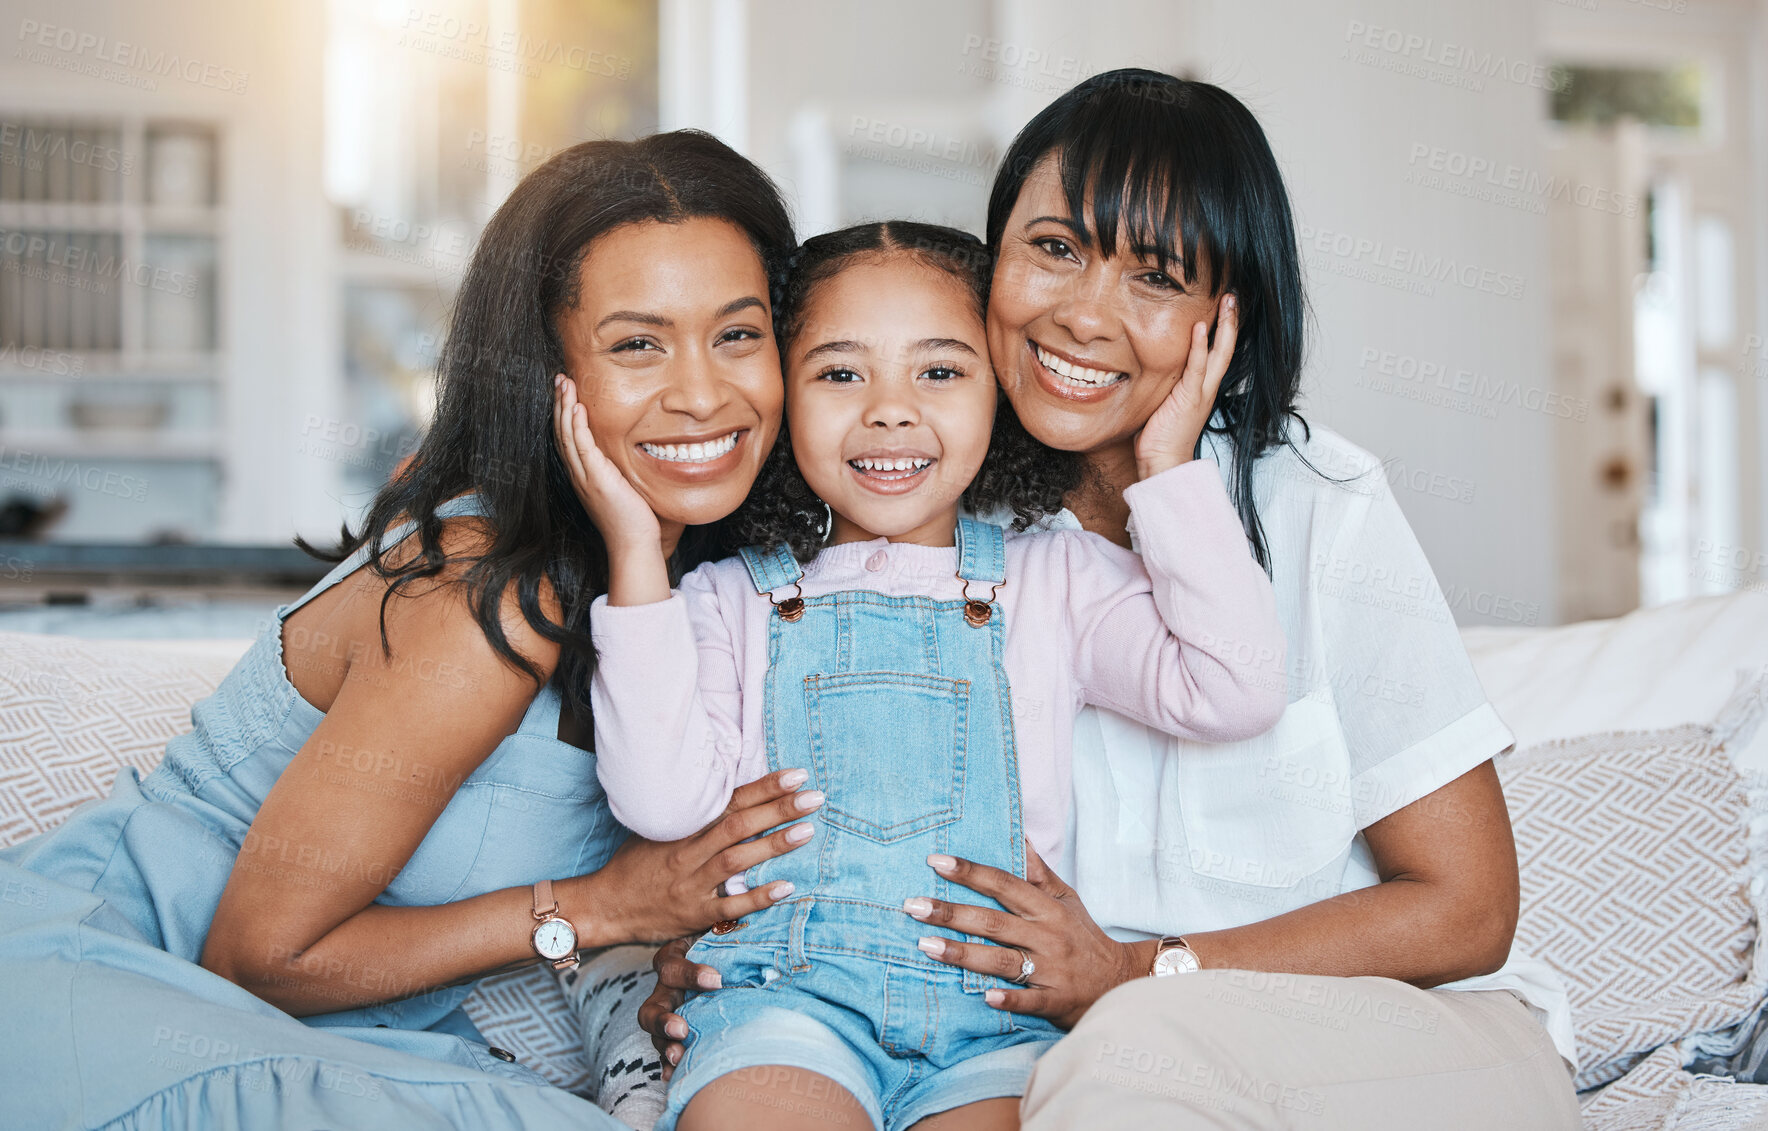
(545, 905)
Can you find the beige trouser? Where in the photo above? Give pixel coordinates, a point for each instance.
(1238, 1049)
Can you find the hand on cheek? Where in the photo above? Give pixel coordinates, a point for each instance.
(639, 570)
(1171, 434)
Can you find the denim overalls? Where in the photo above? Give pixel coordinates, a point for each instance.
(899, 708)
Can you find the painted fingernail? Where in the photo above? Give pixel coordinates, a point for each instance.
(798, 834)
(677, 1028)
(1230, 302)
(792, 779)
(710, 980)
(809, 799)
(674, 1056)
(933, 947)
(941, 863)
(918, 907)
(780, 890)
(994, 997)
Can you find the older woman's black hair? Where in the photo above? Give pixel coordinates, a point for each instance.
(492, 432)
(1018, 474)
(1183, 167)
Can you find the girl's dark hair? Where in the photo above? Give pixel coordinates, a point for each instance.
(1183, 167)
(1019, 473)
(492, 432)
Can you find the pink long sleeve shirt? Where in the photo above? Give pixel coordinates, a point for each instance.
(1184, 639)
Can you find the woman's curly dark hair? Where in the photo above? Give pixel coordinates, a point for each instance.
(1019, 473)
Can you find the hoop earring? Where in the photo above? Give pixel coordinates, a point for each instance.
(828, 523)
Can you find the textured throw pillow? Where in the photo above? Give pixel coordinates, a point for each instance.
(1634, 850)
(525, 1013)
(74, 711)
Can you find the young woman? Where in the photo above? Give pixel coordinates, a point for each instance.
(925, 671)
(1334, 900)
(388, 796)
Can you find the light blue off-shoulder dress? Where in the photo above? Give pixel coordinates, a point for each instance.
(106, 1020)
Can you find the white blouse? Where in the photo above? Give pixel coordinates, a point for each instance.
(1172, 836)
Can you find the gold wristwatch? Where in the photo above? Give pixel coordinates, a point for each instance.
(1173, 956)
(555, 939)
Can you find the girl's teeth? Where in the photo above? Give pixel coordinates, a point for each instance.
(692, 453)
(1074, 374)
(907, 464)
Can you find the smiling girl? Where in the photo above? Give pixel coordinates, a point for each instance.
(920, 669)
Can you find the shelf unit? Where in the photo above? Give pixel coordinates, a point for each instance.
(113, 234)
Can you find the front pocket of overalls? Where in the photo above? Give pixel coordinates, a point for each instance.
(888, 748)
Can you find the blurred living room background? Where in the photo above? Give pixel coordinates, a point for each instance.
(1536, 236)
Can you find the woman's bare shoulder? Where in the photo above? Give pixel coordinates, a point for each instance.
(435, 615)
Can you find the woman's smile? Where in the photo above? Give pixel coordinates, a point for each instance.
(1071, 377)
(691, 460)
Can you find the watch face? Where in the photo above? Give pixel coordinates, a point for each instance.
(555, 939)
(1175, 960)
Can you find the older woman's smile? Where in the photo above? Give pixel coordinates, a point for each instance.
(1070, 376)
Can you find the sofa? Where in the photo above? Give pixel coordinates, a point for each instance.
(1638, 789)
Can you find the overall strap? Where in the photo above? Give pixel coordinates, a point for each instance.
(771, 569)
(453, 508)
(982, 551)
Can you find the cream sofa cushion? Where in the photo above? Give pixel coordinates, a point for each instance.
(1649, 670)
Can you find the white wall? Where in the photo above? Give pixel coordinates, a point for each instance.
(1345, 120)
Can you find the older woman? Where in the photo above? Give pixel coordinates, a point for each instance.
(1314, 927)
(388, 797)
